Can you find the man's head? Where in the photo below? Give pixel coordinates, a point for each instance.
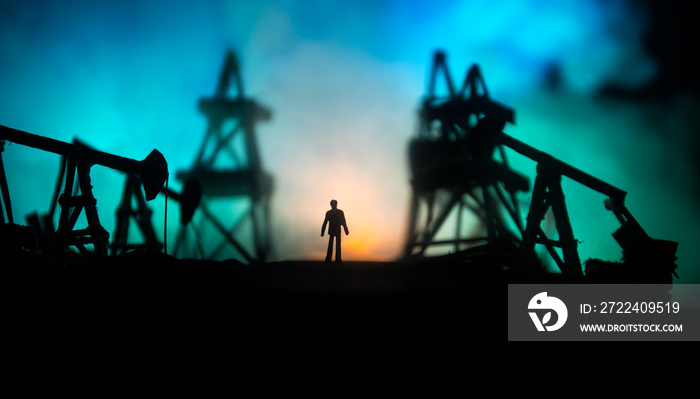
(334, 204)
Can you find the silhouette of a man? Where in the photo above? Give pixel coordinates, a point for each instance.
(334, 218)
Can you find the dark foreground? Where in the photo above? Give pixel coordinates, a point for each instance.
(139, 294)
(147, 299)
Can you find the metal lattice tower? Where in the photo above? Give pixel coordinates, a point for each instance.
(454, 177)
(236, 179)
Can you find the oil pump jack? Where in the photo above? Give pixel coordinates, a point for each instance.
(455, 155)
(132, 208)
(647, 259)
(79, 159)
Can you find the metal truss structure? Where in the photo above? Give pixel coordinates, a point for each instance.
(236, 179)
(451, 176)
(77, 197)
(458, 164)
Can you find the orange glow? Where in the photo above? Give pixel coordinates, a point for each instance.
(374, 215)
(359, 245)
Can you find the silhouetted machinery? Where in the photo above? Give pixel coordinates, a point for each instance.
(460, 162)
(77, 161)
(449, 182)
(648, 259)
(231, 129)
(133, 208)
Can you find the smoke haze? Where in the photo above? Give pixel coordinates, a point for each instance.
(343, 81)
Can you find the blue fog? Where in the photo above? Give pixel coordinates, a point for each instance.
(343, 81)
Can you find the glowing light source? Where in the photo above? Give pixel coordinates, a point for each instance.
(125, 77)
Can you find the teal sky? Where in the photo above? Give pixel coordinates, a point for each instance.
(343, 81)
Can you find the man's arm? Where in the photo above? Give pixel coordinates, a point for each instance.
(323, 228)
(345, 225)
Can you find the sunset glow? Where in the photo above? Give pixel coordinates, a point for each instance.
(344, 81)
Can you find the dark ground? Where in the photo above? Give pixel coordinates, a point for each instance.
(146, 317)
(147, 302)
(144, 293)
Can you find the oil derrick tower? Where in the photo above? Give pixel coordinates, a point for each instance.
(453, 178)
(237, 179)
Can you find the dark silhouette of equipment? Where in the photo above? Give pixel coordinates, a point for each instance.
(13, 237)
(77, 161)
(653, 259)
(140, 213)
(5, 191)
(231, 129)
(450, 179)
(133, 208)
(459, 156)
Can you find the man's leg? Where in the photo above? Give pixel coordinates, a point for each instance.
(329, 253)
(337, 249)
